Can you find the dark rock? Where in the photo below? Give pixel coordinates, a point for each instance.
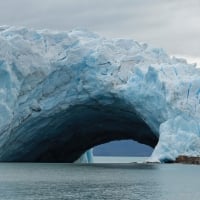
(188, 159)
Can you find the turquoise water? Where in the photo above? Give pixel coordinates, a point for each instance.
(28, 181)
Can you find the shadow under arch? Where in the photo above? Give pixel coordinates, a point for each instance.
(65, 136)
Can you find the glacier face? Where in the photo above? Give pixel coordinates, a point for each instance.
(61, 93)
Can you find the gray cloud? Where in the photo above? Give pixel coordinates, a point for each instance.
(171, 24)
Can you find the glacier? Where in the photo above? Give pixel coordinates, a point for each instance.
(62, 93)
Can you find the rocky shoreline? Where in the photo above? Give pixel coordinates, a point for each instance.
(188, 160)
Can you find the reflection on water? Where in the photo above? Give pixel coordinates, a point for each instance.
(98, 181)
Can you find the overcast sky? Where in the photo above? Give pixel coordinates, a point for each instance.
(171, 24)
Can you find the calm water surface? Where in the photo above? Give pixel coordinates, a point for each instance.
(28, 181)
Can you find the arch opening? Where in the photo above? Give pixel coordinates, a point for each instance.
(66, 135)
(122, 148)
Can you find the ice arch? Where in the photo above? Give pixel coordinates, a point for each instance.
(62, 93)
(68, 134)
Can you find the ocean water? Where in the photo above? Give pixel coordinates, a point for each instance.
(113, 181)
(119, 159)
